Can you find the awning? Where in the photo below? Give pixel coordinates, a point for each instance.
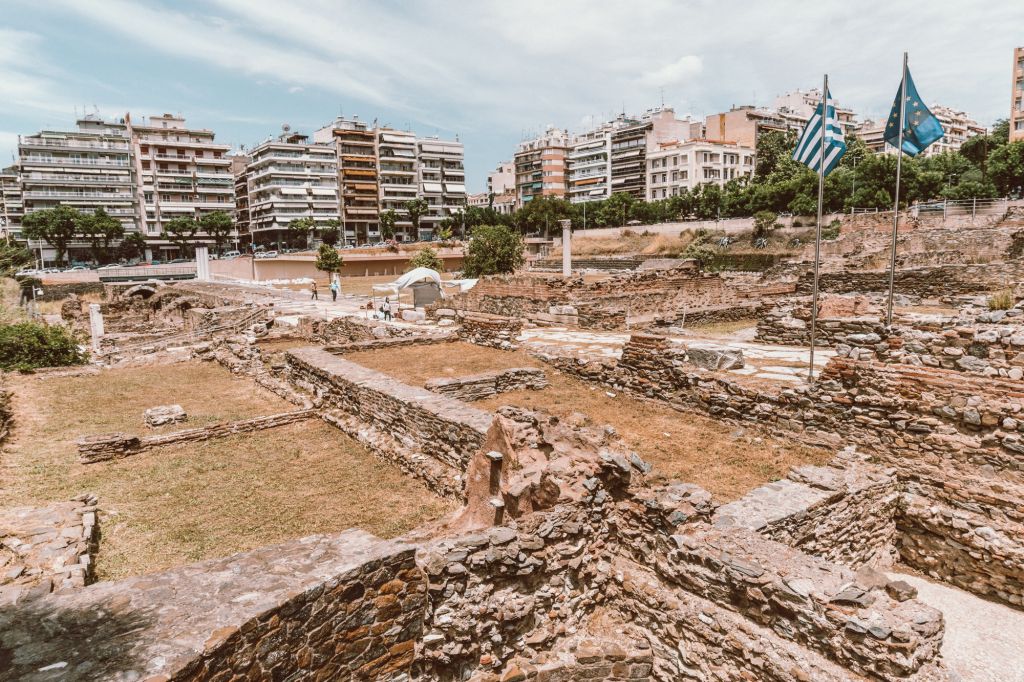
(588, 181)
(408, 279)
(365, 187)
(455, 187)
(293, 190)
(324, 192)
(433, 187)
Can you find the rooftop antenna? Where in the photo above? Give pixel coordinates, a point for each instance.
(663, 98)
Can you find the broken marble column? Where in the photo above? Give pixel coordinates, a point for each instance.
(95, 325)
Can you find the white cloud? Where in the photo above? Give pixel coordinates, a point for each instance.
(295, 89)
(679, 71)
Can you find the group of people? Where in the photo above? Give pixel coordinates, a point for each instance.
(335, 288)
(385, 308)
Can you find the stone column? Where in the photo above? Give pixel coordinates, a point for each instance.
(203, 263)
(566, 247)
(95, 325)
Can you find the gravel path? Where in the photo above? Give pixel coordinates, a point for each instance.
(984, 641)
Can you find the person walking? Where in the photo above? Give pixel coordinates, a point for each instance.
(312, 290)
(334, 290)
(387, 309)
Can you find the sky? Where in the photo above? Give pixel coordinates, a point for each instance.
(490, 73)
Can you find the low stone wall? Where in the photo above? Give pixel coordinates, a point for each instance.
(955, 441)
(844, 512)
(47, 549)
(494, 331)
(106, 447)
(428, 435)
(488, 384)
(342, 330)
(937, 281)
(397, 342)
(346, 606)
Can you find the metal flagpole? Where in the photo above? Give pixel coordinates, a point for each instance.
(896, 204)
(817, 238)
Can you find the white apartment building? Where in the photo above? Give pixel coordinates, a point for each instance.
(11, 209)
(590, 165)
(86, 169)
(290, 178)
(397, 164)
(684, 165)
(180, 171)
(502, 179)
(442, 180)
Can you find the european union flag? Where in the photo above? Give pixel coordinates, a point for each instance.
(921, 127)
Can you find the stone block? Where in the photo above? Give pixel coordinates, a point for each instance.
(165, 414)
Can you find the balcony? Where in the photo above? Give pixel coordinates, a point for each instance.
(60, 143)
(36, 194)
(51, 161)
(62, 179)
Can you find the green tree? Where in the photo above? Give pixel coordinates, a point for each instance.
(13, 257)
(55, 226)
(701, 249)
(101, 230)
(707, 201)
(426, 258)
(615, 209)
(181, 232)
(764, 223)
(415, 209)
(132, 247)
(774, 153)
(299, 231)
(331, 232)
(218, 226)
(388, 220)
(1006, 168)
(494, 249)
(328, 259)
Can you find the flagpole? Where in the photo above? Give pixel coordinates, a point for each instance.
(896, 203)
(817, 236)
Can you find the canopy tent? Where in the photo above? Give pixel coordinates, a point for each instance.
(408, 279)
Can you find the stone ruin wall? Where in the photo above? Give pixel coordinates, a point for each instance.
(429, 436)
(954, 439)
(926, 282)
(494, 331)
(489, 384)
(627, 300)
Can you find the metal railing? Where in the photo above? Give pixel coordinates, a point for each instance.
(949, 208)
(142, 274)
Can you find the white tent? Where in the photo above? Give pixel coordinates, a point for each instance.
(408, 279)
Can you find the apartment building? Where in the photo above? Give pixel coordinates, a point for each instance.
(502, 179)
(180, 172)
(797, 107)
(355, 143)
(590, 165)
(289, 178)
(399, 180)
(442, 181)
(11, 209)
(1017, 97)
(957, 126)
(87, 169)
(541, 166)
(675, 166)
(239, 168)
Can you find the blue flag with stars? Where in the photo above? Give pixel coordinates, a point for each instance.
(921, 127)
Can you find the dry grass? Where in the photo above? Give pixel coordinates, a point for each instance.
(725, 459)
(197, 501)
(53, 307)
(722, 328)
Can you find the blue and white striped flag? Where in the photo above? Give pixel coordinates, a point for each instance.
(808, 149)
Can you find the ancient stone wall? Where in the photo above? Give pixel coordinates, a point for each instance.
(494, 331)
(428, 435)
(927, 282)
(488, 384)
(343, 330)
(47, 549)
(347, 606)
(955, 441)
(844, 512)
(106, 447)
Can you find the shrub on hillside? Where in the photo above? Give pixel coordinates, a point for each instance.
(30, 345)
(1001, 300)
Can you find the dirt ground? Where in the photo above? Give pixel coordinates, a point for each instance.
(726, 460)
(200, 500)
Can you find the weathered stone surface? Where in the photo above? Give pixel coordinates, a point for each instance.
(165, 414)
(488, 384)
(347, 606)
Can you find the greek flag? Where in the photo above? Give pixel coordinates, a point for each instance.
(808, 149)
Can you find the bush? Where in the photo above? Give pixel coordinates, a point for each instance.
(764, 223)
(30, 345)
(701, 249)
(426, 258)
(327, 259)
(1001, 300)
(831, 231)
(494, 250)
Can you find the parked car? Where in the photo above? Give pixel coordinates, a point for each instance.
(230, 254)
(77, 268)
(266, 254)
(112, 266)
